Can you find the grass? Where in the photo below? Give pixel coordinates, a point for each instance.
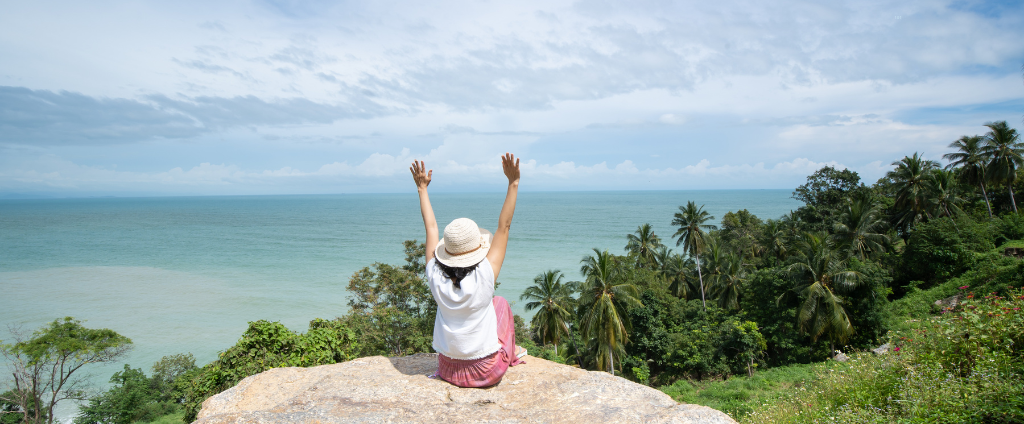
(1011, 243)
(740, 395)
(175, 418)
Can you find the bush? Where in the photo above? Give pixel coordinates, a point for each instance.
(266, 345)
(941, 249)
(739, 396)
(965, 366)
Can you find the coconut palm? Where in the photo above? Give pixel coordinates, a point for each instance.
(554, 303)
(971, 163)
(643, 244)
(776, 239)
(945, 195)
(860, 228)
(604, 302)
(911, 180)
(818, 271)
(1005, 152)
(678, 272)
(691, 235)
(732, 273)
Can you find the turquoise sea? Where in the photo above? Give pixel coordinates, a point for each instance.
(186, 274)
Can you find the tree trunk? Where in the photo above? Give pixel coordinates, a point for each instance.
(701, 278)
(1014, 202)
(987, 204)
(611, 361)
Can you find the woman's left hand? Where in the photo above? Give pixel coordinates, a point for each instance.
(420, 174)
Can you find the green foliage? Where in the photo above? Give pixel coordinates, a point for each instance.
(742, 232)
(554, 304)
(45, 367)
(167, 370)
(823, 195)
(604, 301)
(965, 366)
(1009, 228)
(942, 249)
(266, 345)
(740, 395)
(132, 398)
(393, 310)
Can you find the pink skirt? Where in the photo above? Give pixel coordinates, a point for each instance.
(489, 370)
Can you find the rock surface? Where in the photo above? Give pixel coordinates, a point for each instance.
(379, 389)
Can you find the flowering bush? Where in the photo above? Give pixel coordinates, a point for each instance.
(964, 366)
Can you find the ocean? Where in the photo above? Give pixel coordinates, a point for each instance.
(186, 274)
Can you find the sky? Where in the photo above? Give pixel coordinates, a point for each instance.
(109, 98)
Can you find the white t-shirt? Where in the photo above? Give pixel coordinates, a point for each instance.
(466, 326)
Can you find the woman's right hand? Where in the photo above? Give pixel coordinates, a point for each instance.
(420, 174)
(510, 165)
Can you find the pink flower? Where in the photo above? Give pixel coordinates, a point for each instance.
(964, 287)
(896, 349)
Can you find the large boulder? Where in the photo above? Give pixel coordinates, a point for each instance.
(379, 389)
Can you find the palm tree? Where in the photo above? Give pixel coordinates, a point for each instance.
(1005, 153)
(604, 302)
(553, 301)
(643, 244)
(776, 238)
(971, 162)
(691, 221)
(911, 180)
(678, 273)
(945, 197)
(859, 229)
(732, 273)
(818, 271)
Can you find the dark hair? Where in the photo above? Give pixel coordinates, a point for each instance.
(455, 273)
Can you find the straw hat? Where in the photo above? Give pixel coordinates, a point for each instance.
(464, 244)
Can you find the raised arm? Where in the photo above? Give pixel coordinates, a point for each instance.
(421, 175)
(496, 256)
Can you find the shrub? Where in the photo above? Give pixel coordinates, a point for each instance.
(965, 366)
(263, 346)
(941, 249)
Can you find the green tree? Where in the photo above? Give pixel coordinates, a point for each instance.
(1005, 152)
(643, 244)
(860, 230)
(911, 181)
(823, 196)
(126, 402)
(553, 301)
(167, 370)
(945, 193)
(414, 255)
(819, 270)
(395, 309)
(604, 301)
(776, 239)
(742, 232)
(46, 366)
(727, 284)
(970, 161)
(678, 272)
(692, 236)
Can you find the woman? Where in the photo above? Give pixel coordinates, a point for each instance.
(474, 333)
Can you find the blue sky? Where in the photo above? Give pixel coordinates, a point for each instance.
(289, 97)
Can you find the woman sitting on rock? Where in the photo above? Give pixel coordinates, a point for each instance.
(474, 333)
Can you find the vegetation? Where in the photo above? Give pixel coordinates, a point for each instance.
(734, 317)
(46, 367)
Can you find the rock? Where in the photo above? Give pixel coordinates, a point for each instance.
(1014, 252)
(840, 357)
(948, 303)
(379, 389)
(881, 350)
